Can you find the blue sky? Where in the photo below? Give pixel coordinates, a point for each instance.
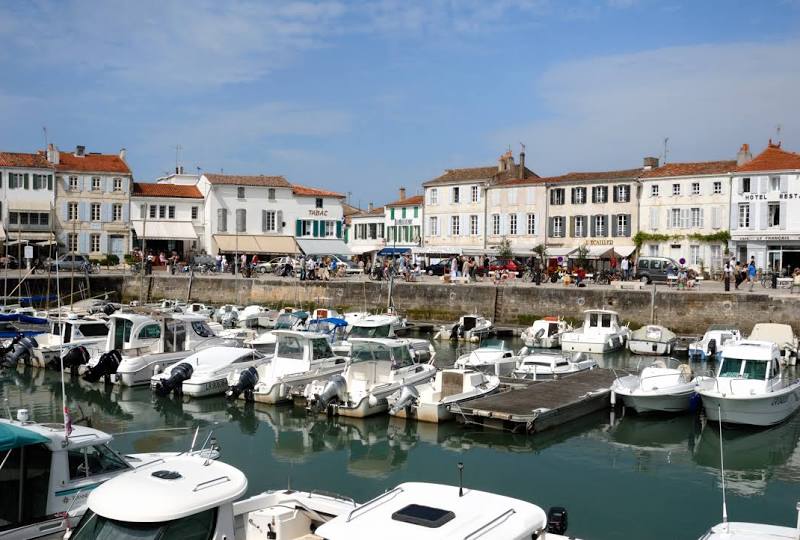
(366, 96)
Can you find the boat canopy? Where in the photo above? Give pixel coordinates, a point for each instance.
(12, 436)
(335, 321)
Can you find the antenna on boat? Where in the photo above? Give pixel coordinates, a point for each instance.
(722, 468)
(194, 439)
(8, 409)
(460, 479)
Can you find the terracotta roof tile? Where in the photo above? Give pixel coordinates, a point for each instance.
(101, 163)
(304, 191)
(690, 169)
(462, 175)
(600, 176)
(414, 200)
(242, 180)
(370, 213)
(773, 158)
(17, 159)
(177, 191)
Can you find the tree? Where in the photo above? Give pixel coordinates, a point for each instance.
(504, 249)
(581, 255)
(541, 251)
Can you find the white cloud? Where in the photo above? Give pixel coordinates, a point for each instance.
(611, 111)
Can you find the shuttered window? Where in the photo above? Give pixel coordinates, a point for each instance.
(241, 220)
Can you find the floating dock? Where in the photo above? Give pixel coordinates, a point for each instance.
(532, 406)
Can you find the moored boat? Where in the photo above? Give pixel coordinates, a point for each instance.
(545, 333)
(659, 387)
(470, 327)
(491, 357)
(601, 333)
(550, 365)
(652, 340)
(713, 342)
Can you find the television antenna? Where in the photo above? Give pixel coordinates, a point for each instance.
(666, 149)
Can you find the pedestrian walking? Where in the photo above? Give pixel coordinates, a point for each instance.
(737, 275)
(751, 272)
(302, 267)
(465, 270)
(726, 275)
(625, 266)
(219, 262)
(453, 269)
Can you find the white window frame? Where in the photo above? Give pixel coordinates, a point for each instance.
(195, 212)
(433, 225)
(96, 183)
(676, 190)
(116, 212)
(270, 194)
(695, 188)
(580, 226)
(455, 195)
(654, 190)
(72, 242)
(72, 211)
(475, 194)
(772, 209)
(623, 193)
(674, 218)
(580, 195)
(717, 187)
(95, 216)
(531, 224)
(73, 183)
(94, 243)
(694, 255)
(744, 216)
(473, 225)
(512, 224)
(558, 227)
(495, 224)
(272, 221)
(600, 225)
(696, 218)
(622, 225)
(774, 183)
(455, 225)
(117, 184)
(433, 196)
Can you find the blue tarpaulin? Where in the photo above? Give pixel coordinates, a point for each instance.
(12, 436)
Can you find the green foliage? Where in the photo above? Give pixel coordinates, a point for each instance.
(112, 260)
(581, 255)
(130, 260)
(504, 249)
(541, 251)
(721, 236)
(642, 237)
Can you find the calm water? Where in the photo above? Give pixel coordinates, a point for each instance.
(619, 477)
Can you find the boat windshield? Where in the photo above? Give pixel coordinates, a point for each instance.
(731, 367)
(753, 369)
(366, 351)
(198, 526)
(289, 347)
(370, 331)
(496, 344)
(283, 322)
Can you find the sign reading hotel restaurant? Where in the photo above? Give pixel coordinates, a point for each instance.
(317, 212)
(763, 197)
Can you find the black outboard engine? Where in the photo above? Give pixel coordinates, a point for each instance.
(712, 348)
(455, 332)
(557, 520)
(108, 309)
(106, 365)
(22, 351)
(10, 347)
(173, 383)
(75, 357)
(247, 383)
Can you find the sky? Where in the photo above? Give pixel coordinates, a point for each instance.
(363, 97)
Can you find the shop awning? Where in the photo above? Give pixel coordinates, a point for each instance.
(393, 251)
(624, 251)
(256, 243)
(363, 248)
(552, 252)
(319, 246)
(29, 236)
(436, 250)
(165, 230)
(23, 205)
(595, 252)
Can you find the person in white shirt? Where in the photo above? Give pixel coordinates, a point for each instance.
(625, 266)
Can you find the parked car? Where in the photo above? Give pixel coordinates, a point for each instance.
(68, 263)
(9, 261)
(351, 267)
(649, 269)
(496, 265)
(270, 265)
(438, 269)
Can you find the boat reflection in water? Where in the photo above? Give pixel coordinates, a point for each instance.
(753, 457)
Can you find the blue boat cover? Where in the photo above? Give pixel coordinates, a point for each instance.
(12, 436)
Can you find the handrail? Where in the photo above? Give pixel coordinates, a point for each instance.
(157, 460)
(370, 503)
(480, 531)
(210, 483)
(331, 495)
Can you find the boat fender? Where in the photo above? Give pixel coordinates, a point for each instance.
(539, 333)
(613, 399)
(557, 520)
(373, 400)
(106, 365)
(22, 351)
(76, 356)
(247, 383)
(179, 373)
(580, 357)
(408, 396)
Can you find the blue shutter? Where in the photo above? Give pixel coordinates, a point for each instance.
(338, 229)
(83, 242)
(125, 212)
(83, 211)
(64, 211)
(87, 183)
(104, 208)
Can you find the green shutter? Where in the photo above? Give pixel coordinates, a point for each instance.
(50, 182)
(391, 213)
(338, 229)
(404, 212)
(416, 211)
(316, 229)
(26, 181)
(298, 229)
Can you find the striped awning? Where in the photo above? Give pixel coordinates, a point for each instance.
(256, 243)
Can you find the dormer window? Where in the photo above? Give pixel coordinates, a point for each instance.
(240, 193)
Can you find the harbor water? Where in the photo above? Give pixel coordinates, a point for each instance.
(619, 475)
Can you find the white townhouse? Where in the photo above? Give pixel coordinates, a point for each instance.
(92, 201)
(684, 210)
(167, 217)
(595, 210)
(765, 209)
(367, 231)
(268, 215)
(403, 219)
(27, 202)
(455, 206)
(515, 211)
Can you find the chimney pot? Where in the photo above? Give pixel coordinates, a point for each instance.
(80, 150)
(743, 155)
(522, 173)
(402, 193)
(650, 163)
(369, 207)
(52, 154)
(123, 153)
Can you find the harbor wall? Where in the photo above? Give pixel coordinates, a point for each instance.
(686, 312)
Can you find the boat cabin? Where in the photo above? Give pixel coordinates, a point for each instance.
(135, 334)
(395, 353)
(601, 319)
(332, 327)
(750, 365)
(291, 321)
(550, 325)
(545, 360)
(72, 329)
(376, 326)
(297, 352)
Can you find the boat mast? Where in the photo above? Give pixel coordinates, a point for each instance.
(61, 330)
(722, 468)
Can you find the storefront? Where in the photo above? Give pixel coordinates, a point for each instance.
(165, 237)
(769, 251)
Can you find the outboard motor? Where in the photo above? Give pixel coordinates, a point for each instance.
(22, 351)
(180, 373)
(4, 350)
(106, 365)
(75, 357)
(539, 334)
(108, 309)
(334, 389)
(247, 383)
(557, 520)
(408, 396)
(229, 319)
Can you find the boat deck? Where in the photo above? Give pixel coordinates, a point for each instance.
(531, 406)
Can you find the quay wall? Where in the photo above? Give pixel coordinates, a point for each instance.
(686, 312)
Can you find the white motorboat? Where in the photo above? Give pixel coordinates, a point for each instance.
(601, 333)
(139, 346)
(713, 342)
(383, 326)
(780, 334)
(300, 357)
(659, 387)
(168, 305)
(248, 317)
(227, 315)
(263, 342)
(197, 308)
(432, 401)
(436, 511)
(491, 357)
(546, 333)
(750, 387)
(738, 530)
(378, 367)
(188, 497)
(468, 328)
(333, 327)
(549, 365)
(206, 373)
(48, 475)
(67, 332)
(652, 340)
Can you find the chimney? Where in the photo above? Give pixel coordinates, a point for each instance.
(370, 207)
(123, 153)
(52, 154)
(522, 172)
(774, 145)
(501, 163)
(743, 155)
(80, 151)
(402, 193)
(650, 163)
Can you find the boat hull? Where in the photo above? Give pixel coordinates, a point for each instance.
(212, 387)
(285, 389)
(765, 410)
(612, 343)
(650, 348)
(653, 403)
(143, 374)
(434, 413)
